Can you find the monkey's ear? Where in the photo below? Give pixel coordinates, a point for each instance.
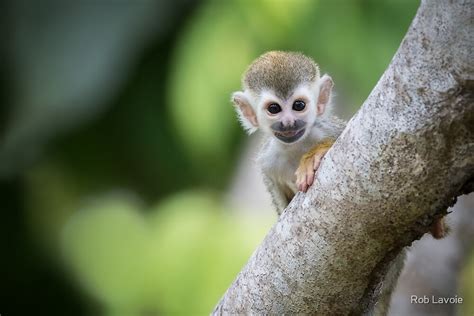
(325, 90)
(247, 116)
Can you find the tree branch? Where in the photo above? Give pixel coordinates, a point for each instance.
(402, 159)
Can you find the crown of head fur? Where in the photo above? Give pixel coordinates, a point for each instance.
(281, 72)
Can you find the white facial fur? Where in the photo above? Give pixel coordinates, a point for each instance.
(253, 108)
(288, 115)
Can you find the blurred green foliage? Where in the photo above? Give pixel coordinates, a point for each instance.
(175, 260)
(466, 288)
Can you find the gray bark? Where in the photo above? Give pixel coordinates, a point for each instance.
(403, 159)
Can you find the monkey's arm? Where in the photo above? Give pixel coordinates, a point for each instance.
(280, 198)
(309, 163)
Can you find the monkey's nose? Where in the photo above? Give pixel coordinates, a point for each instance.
(287, 125)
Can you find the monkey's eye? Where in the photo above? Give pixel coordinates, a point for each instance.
(274, 108)
(299, 105)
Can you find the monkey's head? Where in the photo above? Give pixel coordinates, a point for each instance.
(283, 95)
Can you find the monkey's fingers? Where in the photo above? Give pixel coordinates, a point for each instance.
(305, 172)
(300, 179)
(315, 167)
(309, 176)
(303, 187)
(300, 173)
(311, 169)
(317, 161)
(303, 183)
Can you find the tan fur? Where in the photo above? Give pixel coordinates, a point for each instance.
(281, 72)
(317, 150)
(309, 163)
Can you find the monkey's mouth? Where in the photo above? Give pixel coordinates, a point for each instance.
(290, 136)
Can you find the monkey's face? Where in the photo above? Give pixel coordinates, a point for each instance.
(288, 120)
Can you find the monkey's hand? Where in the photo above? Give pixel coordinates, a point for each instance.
(309, 164)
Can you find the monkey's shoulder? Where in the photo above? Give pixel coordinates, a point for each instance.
(330, 127)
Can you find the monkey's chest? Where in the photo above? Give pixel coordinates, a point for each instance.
(283, 172)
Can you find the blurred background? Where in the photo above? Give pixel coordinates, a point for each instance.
(127, 186)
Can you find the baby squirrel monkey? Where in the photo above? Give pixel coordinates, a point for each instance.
(287, 99)
(285, 96)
